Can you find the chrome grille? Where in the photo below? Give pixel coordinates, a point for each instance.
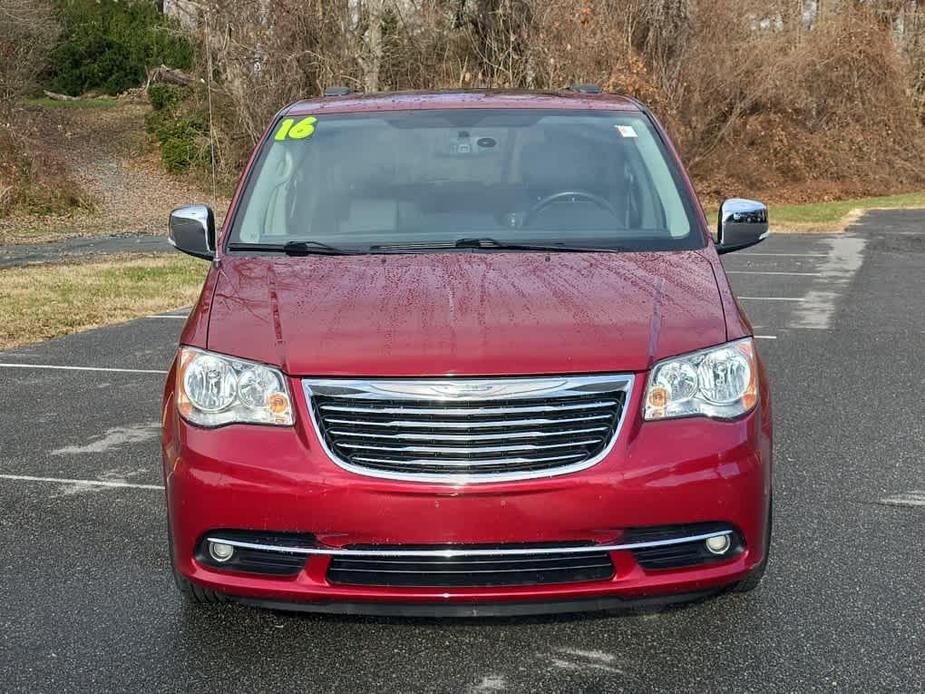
(468, 430)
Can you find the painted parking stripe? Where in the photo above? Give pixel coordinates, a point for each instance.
(914, 498)
(787, 255)
(80, 368)
(89, 483)
(765, 337)
(769, 272)
(178, 312)
(772, 298)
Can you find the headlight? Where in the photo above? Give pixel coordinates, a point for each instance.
(720, 382)
(213, 389)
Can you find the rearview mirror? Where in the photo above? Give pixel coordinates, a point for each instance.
(742, 223)
(192, 230)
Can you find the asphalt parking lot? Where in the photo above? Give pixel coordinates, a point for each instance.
(88, 603)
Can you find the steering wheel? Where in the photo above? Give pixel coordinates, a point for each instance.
(571, 196)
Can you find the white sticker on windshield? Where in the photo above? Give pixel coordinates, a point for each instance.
(626, 130)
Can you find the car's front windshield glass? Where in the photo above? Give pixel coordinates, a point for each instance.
(425, 179)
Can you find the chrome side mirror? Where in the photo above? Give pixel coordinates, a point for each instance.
(192, 230)
(742, 223)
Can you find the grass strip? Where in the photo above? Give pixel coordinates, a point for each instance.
(39, 302)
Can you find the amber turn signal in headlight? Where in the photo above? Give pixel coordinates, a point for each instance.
(720, 382)
(213, 389)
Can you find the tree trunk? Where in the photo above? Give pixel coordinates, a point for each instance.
(371, 60)
(59, 97)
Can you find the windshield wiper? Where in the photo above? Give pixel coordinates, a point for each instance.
(292, 248)
(319, 248)
(489, 242)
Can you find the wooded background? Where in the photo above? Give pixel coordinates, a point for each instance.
(791, 99)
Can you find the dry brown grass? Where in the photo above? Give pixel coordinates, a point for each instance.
(805, 115)
(100, 169)
(33, 176)
(43, 301)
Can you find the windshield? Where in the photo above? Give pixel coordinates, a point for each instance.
(427, 179)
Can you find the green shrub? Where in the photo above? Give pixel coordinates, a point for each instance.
(108, 45)
(178, 154)
(156, 121)
(164, 96)
(184, 142)
(182, 131)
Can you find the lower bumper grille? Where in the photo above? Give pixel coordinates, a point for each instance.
(468, 430)
(438, 572)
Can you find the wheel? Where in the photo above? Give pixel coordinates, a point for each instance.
(753, 580)
(197, 594)
(193, 593)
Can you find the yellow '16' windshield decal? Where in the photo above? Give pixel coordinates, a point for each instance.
(291, 130)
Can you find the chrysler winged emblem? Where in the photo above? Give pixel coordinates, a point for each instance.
(460, 390)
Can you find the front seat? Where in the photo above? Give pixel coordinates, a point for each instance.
(557, 167)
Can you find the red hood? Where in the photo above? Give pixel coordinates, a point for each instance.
(465, 313)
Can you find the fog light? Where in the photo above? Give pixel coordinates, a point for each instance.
(220, 552)
(718, 544)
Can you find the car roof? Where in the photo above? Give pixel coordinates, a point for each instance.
(477, 98)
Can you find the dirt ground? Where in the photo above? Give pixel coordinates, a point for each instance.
(107, 151)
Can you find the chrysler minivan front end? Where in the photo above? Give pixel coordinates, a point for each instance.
(466, 354)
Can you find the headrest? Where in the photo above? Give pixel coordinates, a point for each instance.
(558, 166)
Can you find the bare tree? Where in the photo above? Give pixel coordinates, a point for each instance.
(370, 54)
(758, 82)
(27, 33)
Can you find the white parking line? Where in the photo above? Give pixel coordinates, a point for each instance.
(772, 298)
(912, 498)
(765, 337)
(89, 483)
(770, 272)
(80, 368)
(786, 255)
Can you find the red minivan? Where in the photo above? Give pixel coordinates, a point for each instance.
(468, 353)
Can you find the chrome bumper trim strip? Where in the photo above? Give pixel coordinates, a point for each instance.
(453, 553)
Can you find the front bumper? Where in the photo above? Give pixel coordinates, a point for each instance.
(457, 609)
(674, 472)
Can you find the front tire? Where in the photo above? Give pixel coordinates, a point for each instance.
(194, 594)
(753, 580)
